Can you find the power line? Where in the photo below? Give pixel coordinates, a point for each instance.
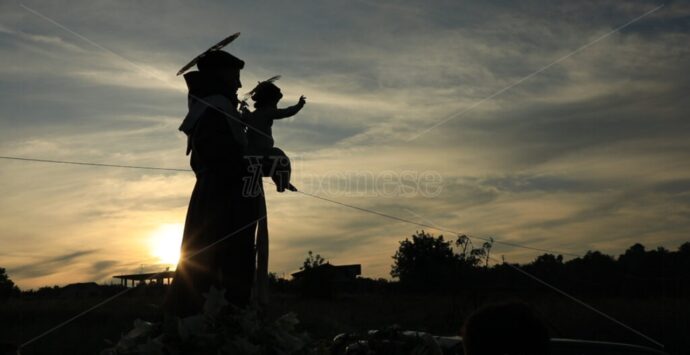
(358, 208)
(425, 225)
(91, 164)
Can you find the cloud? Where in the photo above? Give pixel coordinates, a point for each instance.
(50, 265)
(103, 269)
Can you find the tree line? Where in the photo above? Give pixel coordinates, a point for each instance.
(428, 263)
(425, 262)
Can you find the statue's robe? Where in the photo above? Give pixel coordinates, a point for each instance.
(219, 207)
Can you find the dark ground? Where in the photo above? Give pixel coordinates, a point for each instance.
(666, 320)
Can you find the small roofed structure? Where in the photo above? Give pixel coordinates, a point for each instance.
(337, 272)
(162, 278)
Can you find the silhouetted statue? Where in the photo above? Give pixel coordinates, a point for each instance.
(218, 207)
(273, 161)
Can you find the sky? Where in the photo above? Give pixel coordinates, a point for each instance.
(553, 124)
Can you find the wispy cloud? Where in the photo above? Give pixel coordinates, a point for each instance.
(49, 266)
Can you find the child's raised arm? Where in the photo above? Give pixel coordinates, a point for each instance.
(290, 111)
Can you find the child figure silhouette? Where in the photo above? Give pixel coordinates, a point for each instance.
(273, 161)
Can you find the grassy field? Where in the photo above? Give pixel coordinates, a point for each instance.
(666, 320)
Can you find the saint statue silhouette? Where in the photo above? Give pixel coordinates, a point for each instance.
(218, 245)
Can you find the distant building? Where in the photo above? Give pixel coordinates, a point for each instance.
(335, 272)
(162, 278)
(81, 290)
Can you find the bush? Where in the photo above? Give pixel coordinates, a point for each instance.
(7, 287)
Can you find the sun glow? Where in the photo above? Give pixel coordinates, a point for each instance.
(165, 243)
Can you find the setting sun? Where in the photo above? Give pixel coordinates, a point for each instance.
(165, 243)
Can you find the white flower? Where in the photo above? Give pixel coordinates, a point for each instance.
(215, 301)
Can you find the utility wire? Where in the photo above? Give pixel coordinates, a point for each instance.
(425, 225)
(91, 164)
(358, 208)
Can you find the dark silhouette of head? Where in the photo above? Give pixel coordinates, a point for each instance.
(266, 94)
(510, 328)
(224, 66)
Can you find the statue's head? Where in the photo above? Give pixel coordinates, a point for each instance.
(223, 65)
